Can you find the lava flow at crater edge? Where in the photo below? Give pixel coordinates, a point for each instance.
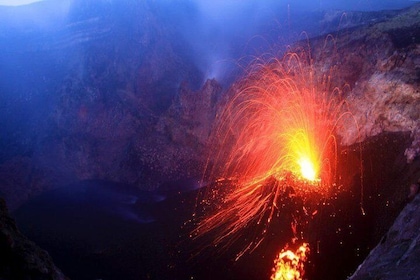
(275, 131)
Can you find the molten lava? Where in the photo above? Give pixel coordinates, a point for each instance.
(307, 169)
(290, 265)
(275, 132)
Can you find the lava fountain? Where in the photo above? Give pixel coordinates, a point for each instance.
(290, 265)
(275, 132)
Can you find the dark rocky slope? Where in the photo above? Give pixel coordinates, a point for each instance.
(397, 255)
(19, 257)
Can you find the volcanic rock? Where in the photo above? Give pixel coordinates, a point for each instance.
(101, 105)
(19, 257)
(377, 67)
(397, 254)
(192, 114)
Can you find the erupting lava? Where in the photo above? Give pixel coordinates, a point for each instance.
(307, 169)
(289, 265)
(276, 132)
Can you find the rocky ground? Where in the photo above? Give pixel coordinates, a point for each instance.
(397, 254)
(19, 257)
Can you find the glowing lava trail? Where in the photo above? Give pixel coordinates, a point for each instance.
(275, 133)
(289, 265)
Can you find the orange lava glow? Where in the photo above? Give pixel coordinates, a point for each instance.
(290, 265)
(275, 131)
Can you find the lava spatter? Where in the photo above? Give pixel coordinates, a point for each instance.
(276, 131)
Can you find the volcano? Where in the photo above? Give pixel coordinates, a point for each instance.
(188, 140)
